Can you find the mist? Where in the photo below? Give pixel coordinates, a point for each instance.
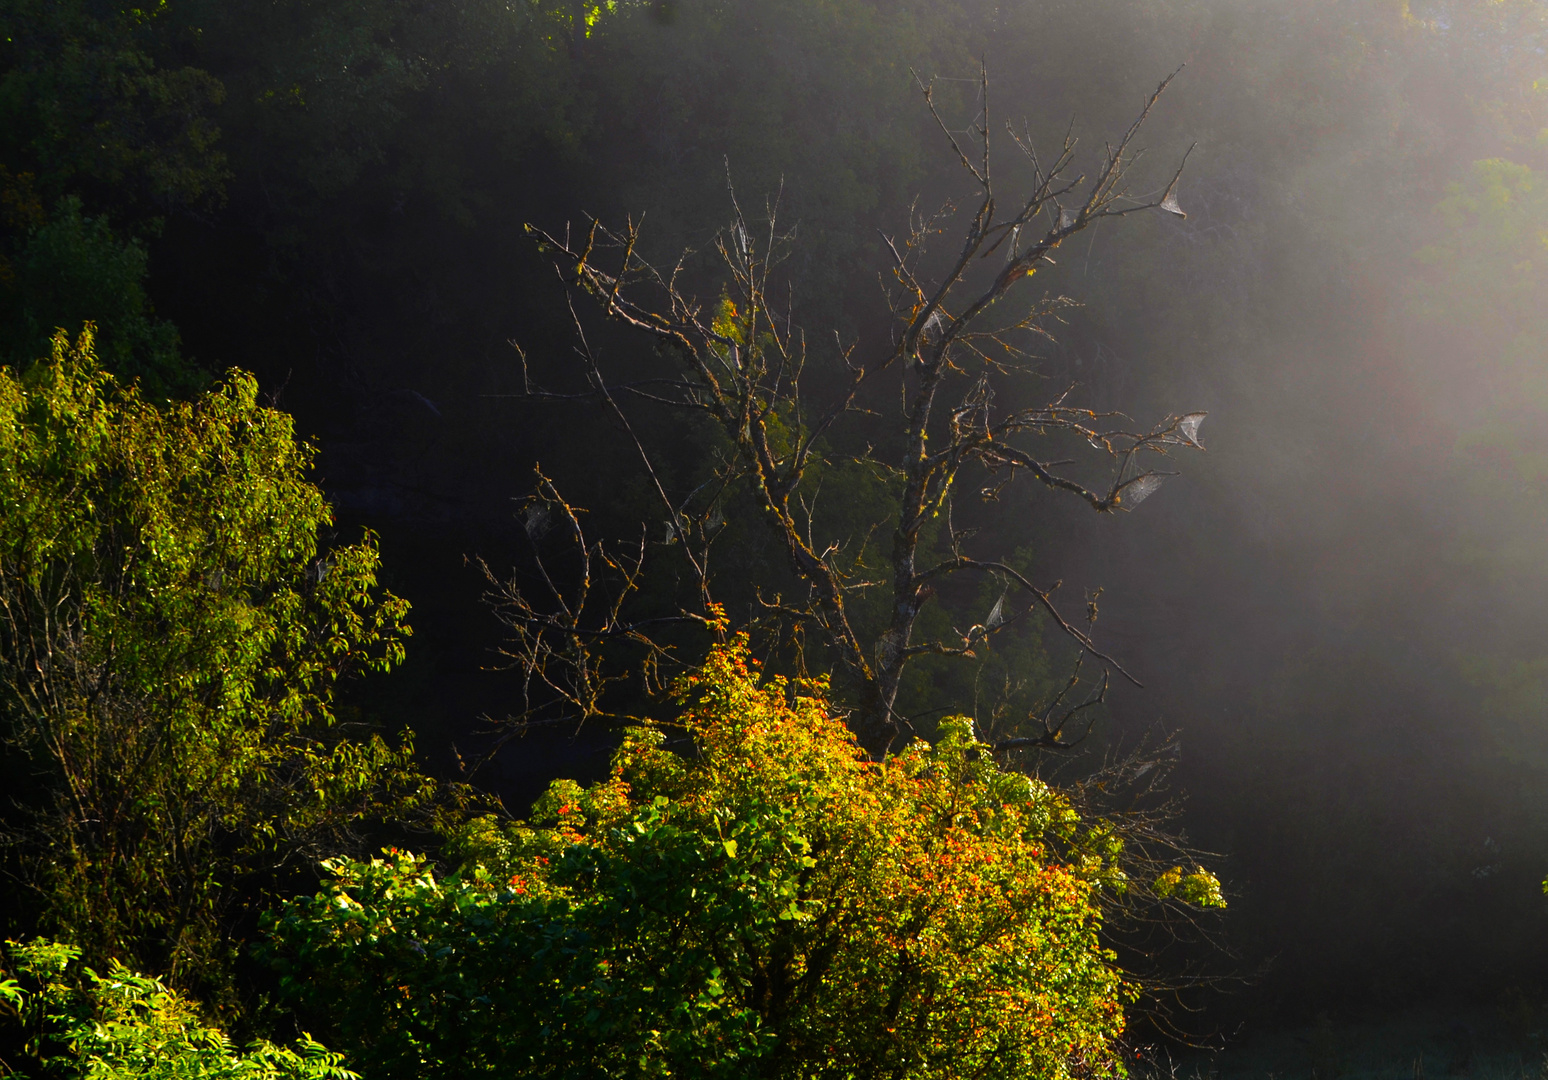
(1340, 608)
(1339, 611)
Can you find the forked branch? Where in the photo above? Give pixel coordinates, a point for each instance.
(741, 362)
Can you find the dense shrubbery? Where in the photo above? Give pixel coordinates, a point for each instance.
(124, 1026)
(766, 900)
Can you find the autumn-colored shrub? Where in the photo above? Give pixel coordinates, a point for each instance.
(762, 898)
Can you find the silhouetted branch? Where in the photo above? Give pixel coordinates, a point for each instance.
(557, 637)
(741, 362)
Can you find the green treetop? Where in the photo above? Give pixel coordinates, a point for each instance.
(171, 633)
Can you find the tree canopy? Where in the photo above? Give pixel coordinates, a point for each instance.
(760, 897)
(172, 629)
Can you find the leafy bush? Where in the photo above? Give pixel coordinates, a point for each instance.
(129, 1027)
(774, 901)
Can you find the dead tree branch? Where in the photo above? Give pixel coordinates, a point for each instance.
(741, 362)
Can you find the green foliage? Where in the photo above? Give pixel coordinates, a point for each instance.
(382, 101)
(171, 633)
(91, 127)
(85, 106)
(67, 270)
(775, 902)
(1478, 289)
(126, 1026)
(1492, 247)
(1198, 887)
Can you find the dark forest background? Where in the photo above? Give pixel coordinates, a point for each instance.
(1341, 609)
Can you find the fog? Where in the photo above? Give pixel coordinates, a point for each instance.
(1340, 608)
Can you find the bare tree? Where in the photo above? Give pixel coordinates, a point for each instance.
(961, 329)
(558, 638)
